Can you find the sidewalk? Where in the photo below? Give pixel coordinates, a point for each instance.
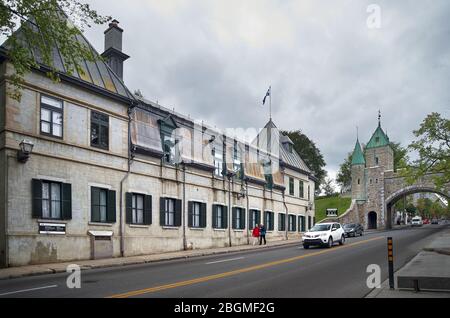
(42, 269)
(429, 270)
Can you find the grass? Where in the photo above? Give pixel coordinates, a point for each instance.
(332, 202)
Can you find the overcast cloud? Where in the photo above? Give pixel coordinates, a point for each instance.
(329, 72)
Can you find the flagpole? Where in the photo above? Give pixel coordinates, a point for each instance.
(270, 102)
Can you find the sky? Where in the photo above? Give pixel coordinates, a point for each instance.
(332, 65)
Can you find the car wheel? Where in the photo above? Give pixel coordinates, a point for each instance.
(362, 233)
(342, 241)
(330, 242)
(305, 246)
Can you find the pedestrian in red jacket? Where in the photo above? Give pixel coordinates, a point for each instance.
(255, 234)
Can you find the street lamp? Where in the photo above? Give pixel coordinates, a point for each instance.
(26, 147)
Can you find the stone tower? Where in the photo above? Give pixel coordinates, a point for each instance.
(358, 173)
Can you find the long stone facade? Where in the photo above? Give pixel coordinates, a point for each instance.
(112, 174)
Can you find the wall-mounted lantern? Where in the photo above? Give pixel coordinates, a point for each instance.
(26, 147)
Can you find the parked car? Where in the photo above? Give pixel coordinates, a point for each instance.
(416, 221)
(426, 221)
(353, 229)
(324, 234)
(434, 221)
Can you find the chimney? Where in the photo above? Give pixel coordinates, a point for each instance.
(113, 48)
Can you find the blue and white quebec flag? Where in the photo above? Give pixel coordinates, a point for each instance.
(267, 94)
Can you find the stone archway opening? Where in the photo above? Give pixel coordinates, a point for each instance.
(393, 198)
(372, 220)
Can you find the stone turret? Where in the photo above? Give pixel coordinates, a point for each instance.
(358, 173)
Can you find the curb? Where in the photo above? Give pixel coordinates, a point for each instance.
(60, 268)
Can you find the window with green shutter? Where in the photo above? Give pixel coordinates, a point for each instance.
(301, 189)
(269, 220)
(103, 205)
(220, 216)
(51, 200)
(281, 221)
(255, 218)
(291, 186)
(238, 218)
(196, 214)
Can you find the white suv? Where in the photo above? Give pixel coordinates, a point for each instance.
(324, 234)
(416, 221)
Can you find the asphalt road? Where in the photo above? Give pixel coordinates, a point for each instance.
(288, 271)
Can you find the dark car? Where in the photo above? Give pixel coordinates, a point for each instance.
(353, 229)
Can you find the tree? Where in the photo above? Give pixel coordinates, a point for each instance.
(45, 24)
(400, 155)
(344, 176)
(327, 187)
(433, 149)
(310, 154)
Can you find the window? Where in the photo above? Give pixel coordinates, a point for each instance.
(51, 116)
(139, 209)
(281, 222)
(301, 223)
(269, 220)
(220, 216)
(309, 193)
(291, 186)
(51, 200)
(238, 218)
(290, 147)
(309, 222)
(99, 130)
(237, 160)
(301, 189)
(197, 215)
(376, 161)
(218, 158)
(170, 212)
(103, 205)
(169, 148)
(292, 223)
(359, 181)
(255, 218)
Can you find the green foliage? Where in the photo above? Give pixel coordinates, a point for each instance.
(308, 151)
(327, 187)
(45, 24)
(331, 202)
(344, 176)
(433, 148)
(400, 155)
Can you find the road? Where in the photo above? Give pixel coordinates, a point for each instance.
(287, 271)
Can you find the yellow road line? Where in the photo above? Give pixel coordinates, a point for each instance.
(235, 272)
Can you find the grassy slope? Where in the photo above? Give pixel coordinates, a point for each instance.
(321, 204)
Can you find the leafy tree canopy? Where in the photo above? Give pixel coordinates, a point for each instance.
(45, 24)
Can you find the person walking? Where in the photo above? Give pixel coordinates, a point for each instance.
(262, 234)
(255, 234)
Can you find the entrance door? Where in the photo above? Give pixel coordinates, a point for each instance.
(372, 220)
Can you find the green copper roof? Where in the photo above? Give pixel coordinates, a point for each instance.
(378, 139)
(358, 156)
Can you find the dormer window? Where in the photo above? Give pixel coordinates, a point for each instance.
(290, 147)
(168, 140)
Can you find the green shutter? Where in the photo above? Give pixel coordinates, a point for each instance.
(272, 221)
(111, 208)
(66, 201)
(178, 207)
(162, 211)
(203, 215)
(190, 212)
(294, 223)
(234, 217)
(214, 216)
(37, 198)
(242, 211)
(95, 210)
(225, 217)
(128, 207)
(148, 209)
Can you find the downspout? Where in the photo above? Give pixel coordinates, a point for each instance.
(184, 206)
(130, 159)
(248, 212)
(229, 211)
(6, 209)
(286, 221)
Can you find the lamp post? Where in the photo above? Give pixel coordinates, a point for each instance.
(26, 147)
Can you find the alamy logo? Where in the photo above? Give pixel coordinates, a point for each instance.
(74, 279)
(374, 18)
(374, 279)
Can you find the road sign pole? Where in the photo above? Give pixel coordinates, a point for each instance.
(390, 262)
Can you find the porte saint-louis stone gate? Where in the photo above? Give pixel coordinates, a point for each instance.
(375, 185)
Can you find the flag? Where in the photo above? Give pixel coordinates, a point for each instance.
(267, 94)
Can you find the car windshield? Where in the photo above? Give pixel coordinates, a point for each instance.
(349, 226)
(320, 227)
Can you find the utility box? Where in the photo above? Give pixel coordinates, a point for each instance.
(101, 244)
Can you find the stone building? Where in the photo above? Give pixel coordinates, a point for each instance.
(111, 174)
